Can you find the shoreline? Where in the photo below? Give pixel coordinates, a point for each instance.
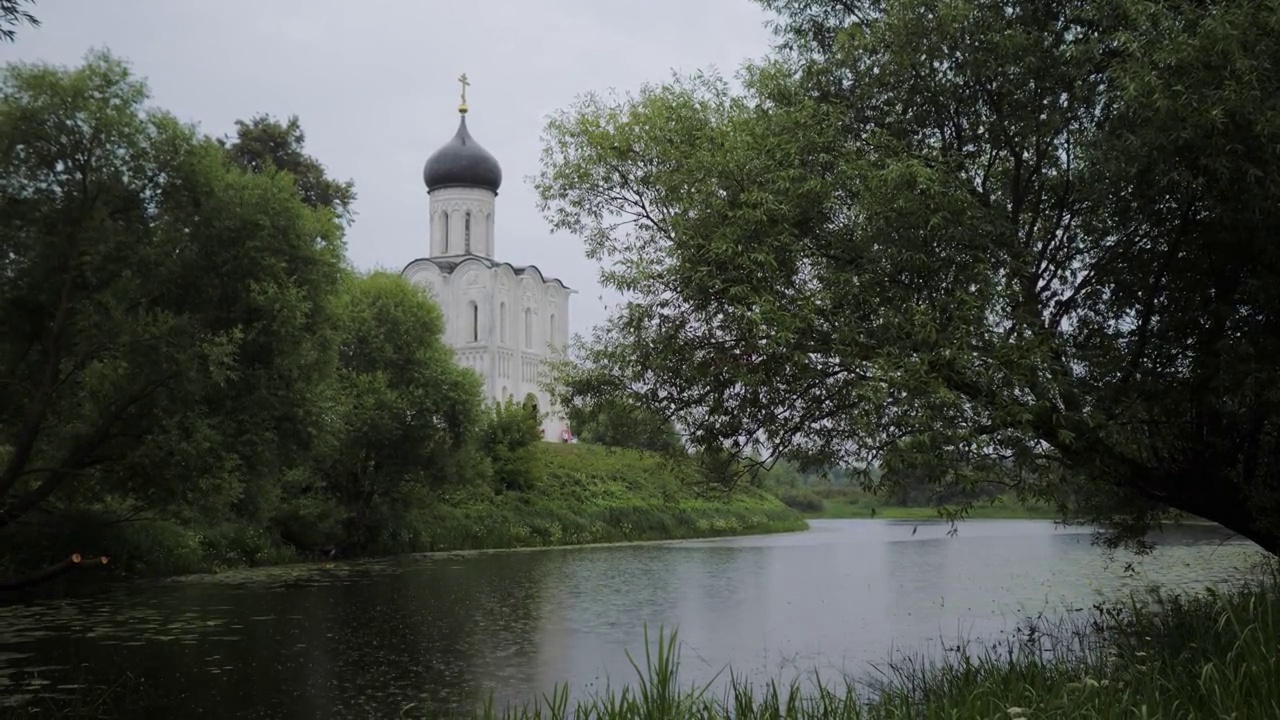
(445, 554)
(836, 510)
(583, 495)
(617, 543)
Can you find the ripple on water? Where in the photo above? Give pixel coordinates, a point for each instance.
(452, 623)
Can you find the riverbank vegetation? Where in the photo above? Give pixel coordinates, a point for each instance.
(864, 505)
(1215, 654)
(836, 493)
(192, 377)
(597, 494)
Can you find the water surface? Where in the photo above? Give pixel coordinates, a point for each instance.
(443, 632)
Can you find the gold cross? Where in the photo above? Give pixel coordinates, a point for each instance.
(463, 79)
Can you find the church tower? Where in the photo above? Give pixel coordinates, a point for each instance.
(503, 321)
(462, 181)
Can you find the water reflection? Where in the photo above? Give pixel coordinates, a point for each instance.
(371, 639)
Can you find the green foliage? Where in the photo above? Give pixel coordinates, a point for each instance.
(264, 143)
(801, 500)
(12, 15)
(398, 406)
(593, 494)
(508, 439)
(1212, 655)
(617, 423)
(127, 367)
(959, 241)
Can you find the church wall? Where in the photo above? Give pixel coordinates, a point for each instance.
(513, 365)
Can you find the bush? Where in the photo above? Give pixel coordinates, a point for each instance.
(801, 500)
(509, 434)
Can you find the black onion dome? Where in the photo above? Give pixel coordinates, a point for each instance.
(462, 162)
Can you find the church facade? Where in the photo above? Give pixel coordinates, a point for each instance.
(504, 321)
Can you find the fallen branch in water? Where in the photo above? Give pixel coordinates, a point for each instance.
(51, 572)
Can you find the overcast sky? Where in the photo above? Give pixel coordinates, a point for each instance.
(375, 86)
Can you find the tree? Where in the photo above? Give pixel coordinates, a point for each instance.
(161, 311)
(508, 438)
(618, 423)
(12, 15)
(1032, 243)
(263, 142)
(401, 406)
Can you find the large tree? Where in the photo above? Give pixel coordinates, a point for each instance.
(162, 312)
(403, 407)
(1030, 241)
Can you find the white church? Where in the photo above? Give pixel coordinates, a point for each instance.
(503, 321)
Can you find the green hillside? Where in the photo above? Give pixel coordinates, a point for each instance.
(596, 494)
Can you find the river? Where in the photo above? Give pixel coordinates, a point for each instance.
(367, 639)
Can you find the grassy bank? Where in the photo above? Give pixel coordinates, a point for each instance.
(594, 494)
(585, 494)
(1215, 655)
(848, 502)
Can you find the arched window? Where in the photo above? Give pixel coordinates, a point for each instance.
(502, 322)
(444, 220)
(528, 327)
(466, 233)
(551, 329)
(475, 322)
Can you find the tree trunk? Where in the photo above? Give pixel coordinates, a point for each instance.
(60, 568)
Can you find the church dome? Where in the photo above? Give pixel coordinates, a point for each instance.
(461, 162)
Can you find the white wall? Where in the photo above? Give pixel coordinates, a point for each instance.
(516, 362)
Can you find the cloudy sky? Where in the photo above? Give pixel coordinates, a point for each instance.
(375, 86)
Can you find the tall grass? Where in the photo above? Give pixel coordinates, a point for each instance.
(1212, 655)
